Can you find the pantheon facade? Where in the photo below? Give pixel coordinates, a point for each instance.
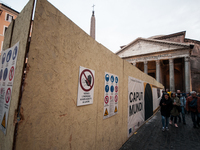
(171, 59)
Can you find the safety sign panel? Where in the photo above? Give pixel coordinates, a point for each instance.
(7, 72)
(110, 95)
(85, 86)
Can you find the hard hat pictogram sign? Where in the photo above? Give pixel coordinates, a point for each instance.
(11, 73)
(86, 80)
(8, 95)
(115, 109)
(3, 123)
(106, 112)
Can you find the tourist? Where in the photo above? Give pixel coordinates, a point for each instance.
(191, 105)
(174, 111)
(183, 104)
(187, 95)
(166, 106)
(169, 92)
(198, 108)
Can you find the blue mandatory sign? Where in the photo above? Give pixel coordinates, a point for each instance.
(14, 53)
(112, 78)
(1, 73)
(9, 56)
(3, 58)
(107, 77)
(116, 79)
(112, 88)
(106, 88)
(5, 74)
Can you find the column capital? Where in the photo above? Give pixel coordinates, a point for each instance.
(157, 62)
(187, 58)
(171, 61)
(145, 62)
(134, 63)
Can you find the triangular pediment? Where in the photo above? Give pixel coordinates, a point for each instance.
(147, 46)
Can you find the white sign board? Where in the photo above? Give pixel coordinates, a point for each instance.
(110, 95)
(85, 86)
(135, 104)
(7, 72)
(156, 97)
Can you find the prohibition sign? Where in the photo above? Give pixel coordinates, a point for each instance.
(106, 99)
(8, 95)
(116, 88)
(11, 73)
(90, 84)
(116, 98)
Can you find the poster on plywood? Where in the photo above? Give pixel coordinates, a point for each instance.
(7, 73)
(135, 104)
(110, 95)
(85, 86)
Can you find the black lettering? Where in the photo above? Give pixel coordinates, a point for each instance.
(130, 97)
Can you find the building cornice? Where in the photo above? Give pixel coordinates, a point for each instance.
(171, 35)
(5, 7)
(156, 41)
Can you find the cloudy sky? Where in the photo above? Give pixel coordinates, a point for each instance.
(118, 22)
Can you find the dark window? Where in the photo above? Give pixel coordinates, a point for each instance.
(9, 17)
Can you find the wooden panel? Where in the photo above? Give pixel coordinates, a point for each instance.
(21, 34)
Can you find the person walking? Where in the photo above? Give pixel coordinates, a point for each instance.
(183, 104)
(198, 109)
(166, 106)
(187, 95)
(169, 92)
(174, 111)
(191, 105)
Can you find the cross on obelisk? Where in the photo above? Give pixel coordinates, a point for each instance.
(93, 7)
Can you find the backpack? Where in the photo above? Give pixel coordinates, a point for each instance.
(193, 103)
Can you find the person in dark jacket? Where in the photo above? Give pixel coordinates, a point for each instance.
(166, 107)
(191, 105)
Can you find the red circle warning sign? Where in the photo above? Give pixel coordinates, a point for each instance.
(8, 95)
(86, 80)
(116, 88)
(116, 98)
(11, 73)
(106, 99)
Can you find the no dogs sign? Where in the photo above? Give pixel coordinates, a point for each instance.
(85, 86)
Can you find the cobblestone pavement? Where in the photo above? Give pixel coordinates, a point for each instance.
(151, 137)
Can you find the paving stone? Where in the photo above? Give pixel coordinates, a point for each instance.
(151, 137)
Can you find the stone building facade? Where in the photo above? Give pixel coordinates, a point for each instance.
(172, 59)
(7, 14)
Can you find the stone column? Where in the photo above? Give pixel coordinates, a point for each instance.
(171, 75)
(187, 74)
(146, 67)
(158, 70)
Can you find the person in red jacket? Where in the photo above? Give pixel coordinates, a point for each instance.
(191, 105)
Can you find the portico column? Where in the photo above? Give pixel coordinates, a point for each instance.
(146, 67)
(158, 70)
(187, 74)
(171, 75)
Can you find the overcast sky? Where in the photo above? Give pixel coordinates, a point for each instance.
(119, 22)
